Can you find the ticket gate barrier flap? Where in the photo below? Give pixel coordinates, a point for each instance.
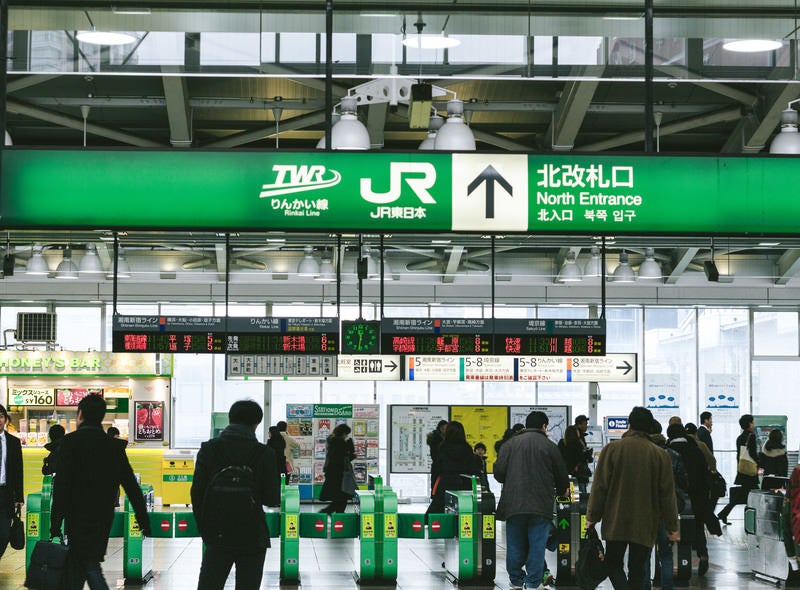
(441, 525)
(185, 525)
(273, 519)
(411, 525)
(314, 525)
(162, 524)
(344, 525)
(117, 525)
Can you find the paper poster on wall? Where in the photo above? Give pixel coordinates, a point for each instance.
(559, 417)
(484, 424)
(721, 394)
(299, 427)
(149, 421)
(409, 428)
(662, 395)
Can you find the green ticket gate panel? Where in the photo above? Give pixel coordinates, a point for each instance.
(368, 570)
(410, 525)
(441, 525)
(314, 525)
(386, 549)
(118, 525)
(487, 543)
(137, 552)
(273, 519)
(185, 525)
(344, 525)
(162, 524)
(569, 532)
(290, 532)
(33, 525)
(461, 552)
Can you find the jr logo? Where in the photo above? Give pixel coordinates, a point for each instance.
(295, 179)
(419, 184)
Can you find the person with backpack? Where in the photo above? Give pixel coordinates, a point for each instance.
(234, 477)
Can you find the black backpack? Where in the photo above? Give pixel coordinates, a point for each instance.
(232, 515)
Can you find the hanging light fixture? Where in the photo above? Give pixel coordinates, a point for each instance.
(594, 267)
(308, 266)
(455, 134)
(37, 265)
(624, 273)
(327, 270)
(67, 269)
(434, 124)
(95, 37)
(570, 271)
(322, 143)
(349, 133)
(788, 140)
(90, 262)
(7, 140)
(650, 269)
(420, 41)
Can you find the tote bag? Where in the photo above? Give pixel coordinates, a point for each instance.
(591, 568)
(349, 486)
(747, 465)
(17, 538)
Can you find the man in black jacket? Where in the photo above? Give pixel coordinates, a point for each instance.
(91, 467)
(236, 445)
(10, 478)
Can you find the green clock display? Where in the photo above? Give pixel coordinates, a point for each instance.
(360, 337)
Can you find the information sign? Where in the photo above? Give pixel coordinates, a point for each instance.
(268, 335)
(555, 337)
(31, 396)
(279, 366)
(451, 336)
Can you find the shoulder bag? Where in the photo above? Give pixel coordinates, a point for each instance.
(17, 537)
(747, 465)
(349, 485)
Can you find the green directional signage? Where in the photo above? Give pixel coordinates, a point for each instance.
(388, 192)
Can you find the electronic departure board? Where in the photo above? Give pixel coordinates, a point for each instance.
(466, 336)
(456, 336)
(187, 334)
(543, 337)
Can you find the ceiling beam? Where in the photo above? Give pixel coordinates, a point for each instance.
(681, 259)
(573, 105)
(222, 256)
(456, 252)
(28, 81)
(677, 127)
(751, 136)
(27, 110)
(246, 137)
(788, 266)
(176, 92)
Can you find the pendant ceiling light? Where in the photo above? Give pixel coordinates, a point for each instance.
(570, 271)
(624, 273)
(455, 134)
(349, 133)
(95, 37)
(123, 270)
(90, 263)
(327, 270)
(308, 266)
(37, 265)
(650, 269)
(322, 143)
(788, 139)
(434, 124)
(594, 267)
(67, 269)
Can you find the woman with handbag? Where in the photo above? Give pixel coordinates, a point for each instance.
(339, 454)
(746, 467)
(455, 457)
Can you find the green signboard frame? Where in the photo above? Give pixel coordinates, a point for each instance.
(396, 192)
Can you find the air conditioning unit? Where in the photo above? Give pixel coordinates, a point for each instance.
(36, 327)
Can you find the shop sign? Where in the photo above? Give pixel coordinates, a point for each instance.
(73, 363)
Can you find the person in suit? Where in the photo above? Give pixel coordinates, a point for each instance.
(91, 467)
(10, 478)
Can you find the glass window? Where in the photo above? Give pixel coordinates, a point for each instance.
(624, 334)
(298, 48)
(192, 395)
(770, 379)
(162, 49)
(291, 392)
(79, 328)
(512, 394)
(580, 51)
(228, 391)
(447, 392)
(229, 49)
(775, 333)
(575, 395)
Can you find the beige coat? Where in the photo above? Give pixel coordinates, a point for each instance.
(632, 489)
(291, 445)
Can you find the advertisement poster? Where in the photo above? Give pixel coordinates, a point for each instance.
(721, 394)
(149, 421)
(662, 395)
(484, 424)
(71, 396)
(408, 447)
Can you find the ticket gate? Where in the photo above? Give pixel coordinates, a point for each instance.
(763, 524)
(470, 556)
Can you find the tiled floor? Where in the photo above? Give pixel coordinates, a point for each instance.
(330, 563)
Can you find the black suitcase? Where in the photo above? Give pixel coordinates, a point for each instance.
(48, 566)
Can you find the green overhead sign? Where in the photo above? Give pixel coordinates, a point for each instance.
(395, 192)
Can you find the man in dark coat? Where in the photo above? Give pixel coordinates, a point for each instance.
(91, 467)
(10, 478)
(239, 446)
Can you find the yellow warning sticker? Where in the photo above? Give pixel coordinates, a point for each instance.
(133, 526)
(291, 526)
(32, 524)
(488, 526)
(563, 547)
(466, 526)
(583, 526)
(389, 526)
(367, 526)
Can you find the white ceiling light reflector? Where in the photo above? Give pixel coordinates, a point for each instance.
(751, 45)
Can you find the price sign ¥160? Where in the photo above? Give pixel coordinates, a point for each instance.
(31, 396)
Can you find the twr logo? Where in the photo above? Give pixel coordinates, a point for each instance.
(296, 179)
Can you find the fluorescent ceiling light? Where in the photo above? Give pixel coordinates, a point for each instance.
(119, 10)
(105, 37)
(430, 42)
(751, 45)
